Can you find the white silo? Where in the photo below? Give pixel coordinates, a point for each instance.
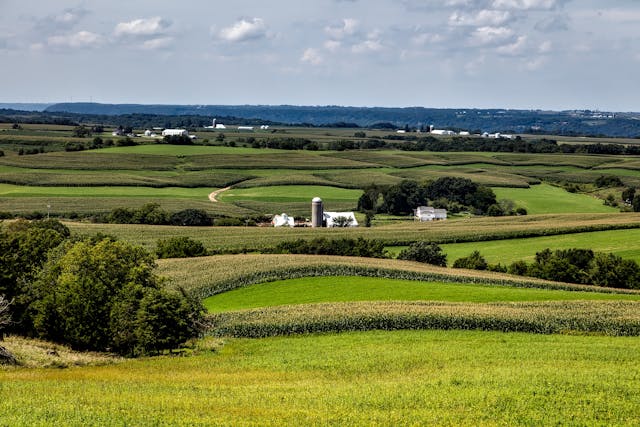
(317, 212)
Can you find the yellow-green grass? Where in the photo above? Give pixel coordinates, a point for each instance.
(624, 243)
(292, 193)
(342, 289)
(544, 198)
(468, 229)
(371, 378)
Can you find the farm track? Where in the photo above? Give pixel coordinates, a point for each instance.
(213, 196)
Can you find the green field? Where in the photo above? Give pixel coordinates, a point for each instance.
(8, 190)
(293, 193)
(544, 199)
(624, 243)
(372, 378)
(340, 289)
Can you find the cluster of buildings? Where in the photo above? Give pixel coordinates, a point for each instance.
(327, 219)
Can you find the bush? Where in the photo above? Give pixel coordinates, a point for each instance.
(474, 261)
(180, 247)
(608, 181)
(428, 253)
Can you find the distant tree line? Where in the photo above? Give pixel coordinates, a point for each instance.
(451, 193)
(342, 247)
(92, 293)
(153, 214)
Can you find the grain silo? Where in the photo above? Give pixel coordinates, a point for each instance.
(317, 212)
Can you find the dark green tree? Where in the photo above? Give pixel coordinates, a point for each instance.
(180, 247)
(426, 252)
(474, 261)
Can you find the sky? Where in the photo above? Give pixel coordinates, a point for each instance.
(525, 54)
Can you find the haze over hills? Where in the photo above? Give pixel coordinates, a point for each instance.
(575, 122)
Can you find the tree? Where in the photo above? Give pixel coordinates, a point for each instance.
(402, 198)
(82, 131)
(342, 221)
(91, 297)
(191, 217)
(5, 315)
(428, 253)
(628, 194)
(474, 261)
(180, 247)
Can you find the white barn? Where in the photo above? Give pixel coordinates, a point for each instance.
(175, 132)
(283, 220)
(331, 219)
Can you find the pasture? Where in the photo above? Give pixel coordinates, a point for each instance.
(311, 290)
(624, 243)
(546, 199)
(376, 377)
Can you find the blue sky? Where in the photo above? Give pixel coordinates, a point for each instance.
(547, 54)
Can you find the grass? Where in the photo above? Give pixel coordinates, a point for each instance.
(372, 378)
(546, 199)
(341, 289)
(624, 243)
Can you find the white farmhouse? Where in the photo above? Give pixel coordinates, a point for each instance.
(340, 219)
(442, 132)
(428, 213)
(175, 132)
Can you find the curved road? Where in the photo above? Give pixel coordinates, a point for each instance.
(213, 195)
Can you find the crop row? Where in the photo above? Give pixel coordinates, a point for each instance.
(615, 318)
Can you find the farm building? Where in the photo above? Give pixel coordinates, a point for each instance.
(442, 132)
(175, 132)
(428, 213)
(340, 219)
(283, 220)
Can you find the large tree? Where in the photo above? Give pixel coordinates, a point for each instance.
(91, 298)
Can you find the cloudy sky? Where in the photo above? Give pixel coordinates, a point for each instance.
(548, 54)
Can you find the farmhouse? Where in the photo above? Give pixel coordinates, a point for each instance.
(428, 213)
(283, 220)
(175, 132)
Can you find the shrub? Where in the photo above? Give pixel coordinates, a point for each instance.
(180, 247)
(428, 253)
(474, 261)
(608, 181)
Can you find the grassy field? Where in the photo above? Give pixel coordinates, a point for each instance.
(372, 378)
(624, 243)
(341, 289)
(546, 199)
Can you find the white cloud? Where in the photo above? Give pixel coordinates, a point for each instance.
(515, 48)
(482, 18)
(312, 56)
(425, 39)
(157, 43)
(332, 45)
(244, 30)
(485, 36)
(348, 27)
(545, 47)
(81, 39)
(367, 46)
(526, 4)
(142, 27)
